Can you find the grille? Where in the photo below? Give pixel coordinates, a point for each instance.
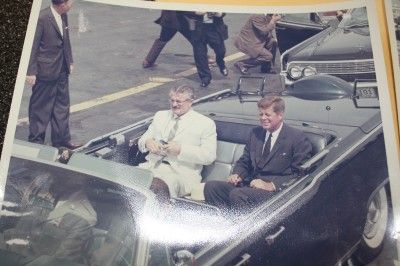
(339, 67)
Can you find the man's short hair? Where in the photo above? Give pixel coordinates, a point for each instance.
(58, 2)
(184, 89)
(277, 102)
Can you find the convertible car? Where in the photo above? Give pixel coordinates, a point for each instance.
(344, 51)
(338, 211)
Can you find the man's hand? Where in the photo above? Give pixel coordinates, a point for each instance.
(153, 146)
(31, 80)
(276, 17)
(234, 179)
(172, 148)
(71, 69)
(259, 183)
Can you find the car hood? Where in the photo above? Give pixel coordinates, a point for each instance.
(337, 44)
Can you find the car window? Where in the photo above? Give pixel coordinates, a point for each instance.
(54, 215)
(355, 18)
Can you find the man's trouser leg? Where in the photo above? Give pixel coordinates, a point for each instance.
(217, 44)
(60, 114)
(200, 59)
(165, 36)
(270, 46)
(41, 106)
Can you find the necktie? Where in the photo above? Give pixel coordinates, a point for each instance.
(267, 146)
(171, 136)
(174, 129)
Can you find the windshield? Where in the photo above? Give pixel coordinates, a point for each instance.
(354, 18)
(55, 216)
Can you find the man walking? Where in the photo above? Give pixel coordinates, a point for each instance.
(208, 28)
(49, 67)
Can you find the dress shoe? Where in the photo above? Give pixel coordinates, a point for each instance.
(224, 71)
(205, 83)
(242, 69)
(68, 145)
(147, 64)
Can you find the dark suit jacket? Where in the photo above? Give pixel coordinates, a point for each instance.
(291, 149)
(218, 22)
(50, 50)
(173, 20)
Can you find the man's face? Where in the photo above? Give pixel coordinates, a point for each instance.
(66, 6)
(180, 103)
(269, 119)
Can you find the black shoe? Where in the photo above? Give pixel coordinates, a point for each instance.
(205, 83)
(68, 145)
(224, 71)
(242, 69)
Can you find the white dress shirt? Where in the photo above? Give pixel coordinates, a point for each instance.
(58, 19)
(274, 136)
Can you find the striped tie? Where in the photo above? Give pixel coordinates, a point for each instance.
(171, 136)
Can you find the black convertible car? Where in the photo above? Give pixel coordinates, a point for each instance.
(338, 211)
(344, 51)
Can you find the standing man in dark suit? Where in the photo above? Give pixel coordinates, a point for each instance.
(271, 157)
(49, 67)
(257, 42)
(208, 28)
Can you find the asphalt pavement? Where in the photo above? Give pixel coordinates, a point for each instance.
(109, 88)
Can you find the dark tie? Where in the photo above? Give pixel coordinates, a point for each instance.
(267, 146)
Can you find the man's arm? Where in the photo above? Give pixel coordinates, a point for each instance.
(301, 153)
(32, 67)
(147, 141)
(78, 232)
(264, 28)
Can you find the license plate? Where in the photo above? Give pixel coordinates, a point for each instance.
(367, 92)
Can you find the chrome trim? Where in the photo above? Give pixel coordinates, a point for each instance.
(357, 65)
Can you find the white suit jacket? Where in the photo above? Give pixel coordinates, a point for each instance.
(197, 136)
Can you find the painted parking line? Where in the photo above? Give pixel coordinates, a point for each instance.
(154, 82)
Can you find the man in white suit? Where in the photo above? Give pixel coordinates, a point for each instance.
(179, 141)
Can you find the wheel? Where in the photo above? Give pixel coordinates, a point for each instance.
(375, 228)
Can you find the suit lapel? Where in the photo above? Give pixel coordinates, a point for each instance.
(54, 23)
(259, 147)
(278, 143)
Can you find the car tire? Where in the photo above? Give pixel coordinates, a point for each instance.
(375, 229)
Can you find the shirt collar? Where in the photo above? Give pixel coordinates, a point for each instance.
(184, 116)
(55, 13)
(275, 133)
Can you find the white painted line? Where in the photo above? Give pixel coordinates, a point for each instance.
(154, 82)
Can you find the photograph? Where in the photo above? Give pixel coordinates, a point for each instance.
(192, 135)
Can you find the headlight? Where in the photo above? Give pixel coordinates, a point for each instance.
(295, 72)
(309, 71)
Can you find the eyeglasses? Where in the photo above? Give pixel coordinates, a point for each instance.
(178, 101)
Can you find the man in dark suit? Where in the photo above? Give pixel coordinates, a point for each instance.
(271, 157)
(208, 28)
(257, 42)
(49, 67)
